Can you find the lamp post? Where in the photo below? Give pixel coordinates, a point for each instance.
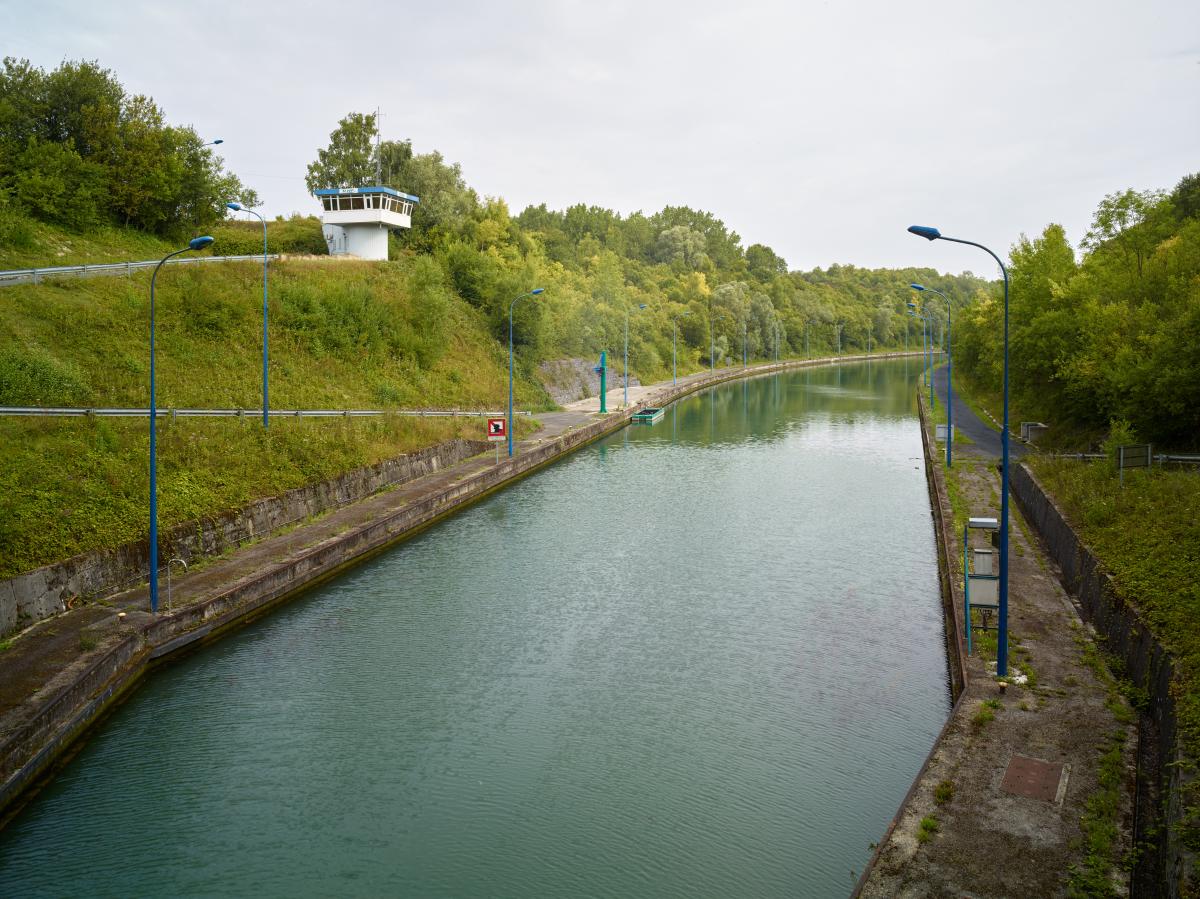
(238, 207)
(949, 374)
(674, 368)
(640, 306)
(511, 306)
(744, 329)
(1002, 644)
(196, 243)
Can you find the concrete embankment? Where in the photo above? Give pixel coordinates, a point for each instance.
(64, 673)
(1002, 806)
(51, 589)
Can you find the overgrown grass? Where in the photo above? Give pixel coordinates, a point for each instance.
(343, 335)
(1148, 535)
(928, 827)
(33, 244)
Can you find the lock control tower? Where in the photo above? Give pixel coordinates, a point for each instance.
(357, 219)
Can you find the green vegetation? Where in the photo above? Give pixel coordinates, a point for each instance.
(76, 150)
(1146, 535)
(928, 827)
(985, 714)
(351, 335)
(1111, 336)
(943, 792)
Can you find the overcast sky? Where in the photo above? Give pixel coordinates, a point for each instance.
(822, 129)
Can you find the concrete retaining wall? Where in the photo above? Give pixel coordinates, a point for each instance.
(1162, 769)
(47, 591)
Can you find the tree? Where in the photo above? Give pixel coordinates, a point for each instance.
(1125, 221)
(349, 160)
(681, 246)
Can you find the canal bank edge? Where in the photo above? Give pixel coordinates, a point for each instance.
(39, 734)
(952, 606)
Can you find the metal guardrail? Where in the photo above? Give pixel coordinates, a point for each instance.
(1159, 458)
(36, 275)
(249, 413)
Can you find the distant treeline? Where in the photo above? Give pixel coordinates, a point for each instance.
(596, 264)
(1113, 336)
(77, 151)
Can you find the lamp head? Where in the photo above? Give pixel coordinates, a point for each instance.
(536, 291)
(199, 243)
(641, 305)
(916, 286)
(924, 231)
(236, 207)
(912, 305)
(218, 141)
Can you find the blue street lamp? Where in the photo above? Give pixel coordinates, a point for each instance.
(674, 368)
(196, 243)
(531, 293)
(238, 207)
(744, 330)
(949, 375)
(213, 143)
(640, 306)
(1002, 644)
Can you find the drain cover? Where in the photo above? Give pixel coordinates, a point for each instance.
(1033, 778)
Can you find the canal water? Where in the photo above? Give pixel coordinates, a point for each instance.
(703, 658)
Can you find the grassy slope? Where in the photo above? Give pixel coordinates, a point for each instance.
(342, 336)
(1148, 536)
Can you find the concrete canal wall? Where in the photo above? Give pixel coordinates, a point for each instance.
(46, 591)
(1163, 771)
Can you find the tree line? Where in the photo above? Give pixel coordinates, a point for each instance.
(686, 265)
(1107, 338)
(78, 151)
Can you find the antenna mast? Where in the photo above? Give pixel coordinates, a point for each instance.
(378, 158)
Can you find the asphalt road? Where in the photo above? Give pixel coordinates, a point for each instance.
(987, 439)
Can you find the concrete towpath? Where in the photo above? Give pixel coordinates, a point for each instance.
(1005, 806)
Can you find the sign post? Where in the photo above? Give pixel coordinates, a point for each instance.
(497, 433)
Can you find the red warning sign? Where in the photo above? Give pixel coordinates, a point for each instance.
(497, 429)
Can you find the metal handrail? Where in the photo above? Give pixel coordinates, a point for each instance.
(35, 275)
(242, 413)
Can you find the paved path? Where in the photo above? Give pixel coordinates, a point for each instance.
(986, 438)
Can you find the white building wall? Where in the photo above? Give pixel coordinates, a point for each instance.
(367, 241)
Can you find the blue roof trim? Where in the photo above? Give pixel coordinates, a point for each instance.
(351, 191)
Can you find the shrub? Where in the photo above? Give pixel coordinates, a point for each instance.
(30, 376)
